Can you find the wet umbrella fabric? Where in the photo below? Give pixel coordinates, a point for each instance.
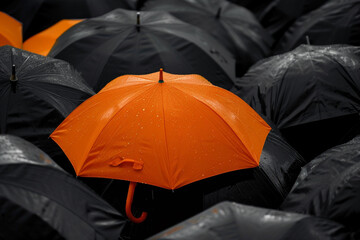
(114, 44)
(41, 201)
(229, 220)
(310, 93)
(264, 186)
(42, 93)
(144, 129)
(37, 15)
(10, 31)
(328, 186)
(233, 26)
(137, 110)
(336, 22)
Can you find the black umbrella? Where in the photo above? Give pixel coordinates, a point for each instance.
(228, 220)
(310, 93)
(233, 26)
(41, 201)
(336, 22)
(329, 186)
(36, 94)
(126, 42)
(37, 15)
(278, 15)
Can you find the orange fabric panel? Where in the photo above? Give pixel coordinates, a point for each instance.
(10, 31)
(42, 42)
(182, 130)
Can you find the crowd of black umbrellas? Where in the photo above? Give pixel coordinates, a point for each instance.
(295, 63)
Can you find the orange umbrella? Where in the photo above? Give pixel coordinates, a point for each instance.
(161, 129)
(10, 31)
(42, 42)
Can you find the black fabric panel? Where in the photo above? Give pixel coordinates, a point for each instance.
(37, 15)
(311, 94)
(328, 186)
(335, 22)
(229, 220)
(47, 90)
(113, 45)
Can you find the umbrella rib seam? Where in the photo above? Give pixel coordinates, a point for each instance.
(166, 143)
(110, 119)
(207, 106)
(50, 198)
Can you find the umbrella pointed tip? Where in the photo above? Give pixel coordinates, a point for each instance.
(13, 78)
(161, 78)
(138, 21)
(13, 71)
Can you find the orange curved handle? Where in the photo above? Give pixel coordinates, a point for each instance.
(137, 164)
(129, 200)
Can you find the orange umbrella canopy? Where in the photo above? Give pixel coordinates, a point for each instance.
(42, 42)
(10, 31)
(161, 129)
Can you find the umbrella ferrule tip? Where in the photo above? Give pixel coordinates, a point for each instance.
(161, 78)
(138, 21)
(13, 79)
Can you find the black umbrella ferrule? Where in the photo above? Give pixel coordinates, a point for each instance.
(13, 78)
(218, 13)
(138, 21)
(307, 39)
